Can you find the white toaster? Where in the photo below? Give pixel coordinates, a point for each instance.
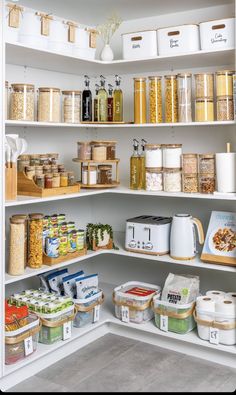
(148, 234)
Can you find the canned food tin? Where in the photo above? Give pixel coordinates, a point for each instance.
(52, 246)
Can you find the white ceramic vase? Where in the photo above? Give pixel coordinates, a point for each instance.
(107, 54)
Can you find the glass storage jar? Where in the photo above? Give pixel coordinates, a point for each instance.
(71, 178)
(91, 178)
(40, 181)
(111, 150)
(204, 85)
(72, 106)
(22, 102)
(54, 168)
(56, 180)
(61, 168)
(99, 150)
(140, 102)
(6, 99)
(224, 83)
(25, 218)
(105, 174)
(48, 180)
(185, 97)
(38, 171)
(190, 183)
(155, 99)
(225, 108)
(84, 150)
(35, 246)
(207, 164)
(153, 155)
(172, 155)
(22, 162)
(30, 172)
(206, 183)
(172, 180)
(35, 160)
(44, 159)
(17, 247)
(204, 110)
(190, 163)
(49, 105)
(171, 99)
(47, 169)
(154, 179)
(64, 179)
(53, 158)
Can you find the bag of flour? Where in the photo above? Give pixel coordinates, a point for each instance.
(180, 289)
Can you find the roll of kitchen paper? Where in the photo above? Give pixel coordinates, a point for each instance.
(226, 172)
(226, 307)
(231, 296)
(216, 295)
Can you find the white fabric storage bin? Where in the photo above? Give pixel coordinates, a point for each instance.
(139, 45)
(58, 38)
(30, 30)
(217, 34)
(178, 39)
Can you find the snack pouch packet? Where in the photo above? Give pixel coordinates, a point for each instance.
(86, 286)
(182, 289)
(69, 284)
(55, 281)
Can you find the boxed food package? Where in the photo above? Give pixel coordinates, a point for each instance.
(178, 39)
(217, 34)
(139, 45)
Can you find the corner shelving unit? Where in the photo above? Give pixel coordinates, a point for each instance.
(24, 63)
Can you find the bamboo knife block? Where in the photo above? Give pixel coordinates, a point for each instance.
(11, 182)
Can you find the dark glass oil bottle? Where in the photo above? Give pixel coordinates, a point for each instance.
(110, 103)
(87, 102)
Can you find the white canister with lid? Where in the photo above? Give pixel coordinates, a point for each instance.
(82, 47)
(172, 156)
(31, 29)
(58, 38)
(153, 155)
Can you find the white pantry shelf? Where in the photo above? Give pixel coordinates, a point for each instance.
(19, 54)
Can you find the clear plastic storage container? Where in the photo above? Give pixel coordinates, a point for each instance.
(185, 97)
(72, 106)
(88, 310)
(49, 105)
(22, 102)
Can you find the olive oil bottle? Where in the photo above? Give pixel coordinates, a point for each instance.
(117, 101)
(143, 164)
(135, 180)
(110, 103)
(95, 104)
(102, 101)
(87, 102)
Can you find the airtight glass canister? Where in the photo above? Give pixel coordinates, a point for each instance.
(91, 178)
(140, 105)
(190, 183)
(84, 150)
(17, 247)
(204, 110)
(22, 102)
(225, 108)
(172, 180)
(35, 246)
(172, 155)
(204, 85)
(190, 163)
(171, 99)
(154, 181)
(185, 97)
(155, 99)
(72, 106)
(6, 99)
(153, 157)
(49, 105)
(224, 83)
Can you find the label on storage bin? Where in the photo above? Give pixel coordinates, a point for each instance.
(214, 335)
(96, 313)
(67, 330)
(28, 345)
(164, 323)
(125, 313)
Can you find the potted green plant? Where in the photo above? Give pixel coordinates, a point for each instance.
(99, 236)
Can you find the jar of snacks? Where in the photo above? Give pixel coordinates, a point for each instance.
(6, 99)
(49, 106)
(140, 110)
(84, 150)
(35, 160)
(35, 246)
(17, 247)
(190, 163)
(54, 168)
(153, 156)
(99, 150)
(40, 180)
(207, 183)
(225, 108)
(72, 106)
(22, 162)
(172, 180)
(190, 183)
(154, 180)
(71, 178)
(22, 102)
(185, 97)
(204, 110)
(105, 174)
(207, 164)
(172, 155)
(30, 172)
(48, 180)
(64, 179)
(171, 99)
(204, 85)
(155, 99)
(224, 83)
(91, 178)
(25, 218)
(111, 150)
(56, 180)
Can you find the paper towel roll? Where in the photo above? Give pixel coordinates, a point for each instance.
(205, 304)
(216, 295)
(231, 296)
(226, 172)
(226, 307)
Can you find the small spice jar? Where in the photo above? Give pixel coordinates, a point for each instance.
(56, 180)
(54, 168)
(64, 179)
(40, 180)
(49, 106)
(185, 97)
(22, 102)
(172, 180)
(224, 83)
(53, 158)
(61, 168)
(47, 169)
(154, 179)
(48, 180)
(190, 183)
(207, 164)
(38, 170)
(155, 99)
(105, 174)
(140, 103)
(225, 108)
(99, 150)
(71, 178)
(172, 155)
(30, 172)
(17, 247)
(91, 178)
(35, 160)
(111, 150)
(204, 110)
(35, 246)
(153, 155)
(204, 85)
(72, 106)
(171, 99)
(84, 150)
(44, 160)
(207, 183)
(22, 162)
(190, 163)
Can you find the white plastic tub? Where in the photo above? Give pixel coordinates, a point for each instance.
(217, 34)
(30, 30)
(88, 310)
(82, 47)
(134, 308)
(178, 39)
(139, 45)
(58, 38)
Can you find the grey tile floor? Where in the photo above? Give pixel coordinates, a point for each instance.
(118, 364)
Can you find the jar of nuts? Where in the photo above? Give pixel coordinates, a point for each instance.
(49, 105)
(22, 102)
(207, 164)
(225, 108)
(190, 163)
(155, 99)
(207, 183)
(190, 183)
(171, 99)
(35, 247)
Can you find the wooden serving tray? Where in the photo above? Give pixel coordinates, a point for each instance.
(61, 259)
(27, 187)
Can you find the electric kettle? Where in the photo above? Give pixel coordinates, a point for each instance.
(183, 236)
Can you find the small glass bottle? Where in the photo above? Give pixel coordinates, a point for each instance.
(171, 99)
(64, 179)
(102, 101)
(155, 99)
(140, 103)
(87, 102)
(56, 181)
(117, 101)
(48, 180)
(30, 172)
(135, 179)
(35, 247)
(95, 104)
(110, 103)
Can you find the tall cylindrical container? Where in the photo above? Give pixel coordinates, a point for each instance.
(17, 247)
(226, 172)
(185, 97)
(140, 105)
(171, 99)
(35, 246)
(155, 99)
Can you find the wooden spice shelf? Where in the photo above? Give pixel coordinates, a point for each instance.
(49, 261)
(113, 185)
(77, 160)
(27, 187)
(105, 123)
